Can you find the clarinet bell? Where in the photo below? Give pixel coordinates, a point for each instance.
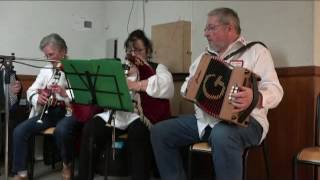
(44, 111)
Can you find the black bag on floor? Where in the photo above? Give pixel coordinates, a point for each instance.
(113, 167)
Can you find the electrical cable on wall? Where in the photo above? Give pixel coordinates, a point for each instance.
(144, 14)
(130, 16)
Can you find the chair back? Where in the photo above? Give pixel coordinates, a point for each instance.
(318, 120)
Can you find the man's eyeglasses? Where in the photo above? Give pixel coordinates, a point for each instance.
(212, 28)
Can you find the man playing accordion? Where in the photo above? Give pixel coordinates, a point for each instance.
(228, 140)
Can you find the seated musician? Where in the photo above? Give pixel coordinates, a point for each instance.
(48, 90)
(228, 140)
(151, 86)
(15, 90)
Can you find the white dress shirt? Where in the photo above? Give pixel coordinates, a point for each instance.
(44, 79)
(257, 59)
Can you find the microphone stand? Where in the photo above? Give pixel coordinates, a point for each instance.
(7, 63)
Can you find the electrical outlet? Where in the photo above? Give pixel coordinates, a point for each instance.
(87, 24)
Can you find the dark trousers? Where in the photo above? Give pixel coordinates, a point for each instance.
(15, 119)
(139, 147)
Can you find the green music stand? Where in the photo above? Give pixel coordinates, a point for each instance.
(98, 81)
(101, 82)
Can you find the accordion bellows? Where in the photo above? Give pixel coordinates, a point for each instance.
(212, 85)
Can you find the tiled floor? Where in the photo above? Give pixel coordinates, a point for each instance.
(43, 172)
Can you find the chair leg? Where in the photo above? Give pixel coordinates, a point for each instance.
(213, 172)
(190, 163)
(107, 160)
(295, 168)
(91, 172)
(266, 160)
(244, 164)
(73, 157)
(53, 154)
(31, 157)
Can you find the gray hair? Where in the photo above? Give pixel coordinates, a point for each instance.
(227, 16)
(54, 39)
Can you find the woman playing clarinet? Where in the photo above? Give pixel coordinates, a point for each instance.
(49, 97)
(151, 86)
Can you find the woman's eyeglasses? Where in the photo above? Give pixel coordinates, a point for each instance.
(134, 50)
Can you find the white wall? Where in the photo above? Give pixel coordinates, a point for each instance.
(156, 12)
(287, 27)
(24, 23)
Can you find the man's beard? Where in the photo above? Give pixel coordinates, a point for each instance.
(217, 48)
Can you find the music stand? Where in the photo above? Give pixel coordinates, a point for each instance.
(99, 81)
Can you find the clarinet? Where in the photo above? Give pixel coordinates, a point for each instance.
(52, 99)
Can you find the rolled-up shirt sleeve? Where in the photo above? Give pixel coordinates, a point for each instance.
(32, 92)
(161, 85)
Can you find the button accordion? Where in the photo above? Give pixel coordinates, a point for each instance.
(213, 84)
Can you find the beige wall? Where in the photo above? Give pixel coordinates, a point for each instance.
(24, 23)
(316, 33)
(289, 28)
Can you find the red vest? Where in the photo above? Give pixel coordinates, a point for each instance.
(155, 109)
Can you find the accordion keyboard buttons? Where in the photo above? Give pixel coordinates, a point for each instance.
(234, 89)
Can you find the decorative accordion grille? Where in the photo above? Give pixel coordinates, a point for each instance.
(213, 88)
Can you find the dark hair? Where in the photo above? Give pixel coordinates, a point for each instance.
(139, 35)
(227, 16)
(54, 39)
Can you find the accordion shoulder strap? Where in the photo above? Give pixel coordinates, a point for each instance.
(244, 48)
(153, 65)
(246, 113)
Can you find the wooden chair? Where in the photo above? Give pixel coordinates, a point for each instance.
(46, 132)
(309, 155)
(204, 147)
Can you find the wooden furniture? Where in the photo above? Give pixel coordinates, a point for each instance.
(46, 133)
(309, 155)
(178, 104)
(204, 147)
(172, 45)
(292, 123)
(31, 162)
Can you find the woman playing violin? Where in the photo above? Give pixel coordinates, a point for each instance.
(49, 86)
(151, 86)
